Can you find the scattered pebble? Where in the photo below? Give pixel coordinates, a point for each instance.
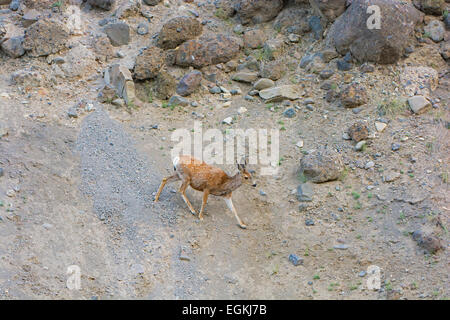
(295, 259)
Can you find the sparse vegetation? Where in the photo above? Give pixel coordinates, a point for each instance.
(392, 107)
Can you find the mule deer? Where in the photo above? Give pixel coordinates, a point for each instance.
(211, 180)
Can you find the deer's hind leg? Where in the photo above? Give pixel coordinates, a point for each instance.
(173, 177)
(205, 198)
(183, 188)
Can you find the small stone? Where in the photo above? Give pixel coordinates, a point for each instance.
(245, 76)
(14, 5)
(10, 193)
(358, 131)
(238, 29)
(343, 65)
(436, 30)
(226, 104)
(360, 145)
(228, 120)
(236, 91)
(395, 147)
(305, 192)
(263, 83)
(261, 192)
(369, 165)
(367, 68)
(295, 259)
(242, 110)
(47, 226)
(1, 172)
(299, 144)
(118, 102)
(362, 274)
(326, 73)
(392, 176)
(429, 242)
(346, 136)
(341, 246)
(419, 104)
(142, 28)
(292, 37)
(137, 269)
(215, 90)
(289, 113)
(380, 126)
(177, 100)
(309, 222)
(72, 112)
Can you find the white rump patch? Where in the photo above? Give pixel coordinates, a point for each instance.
(175, 161)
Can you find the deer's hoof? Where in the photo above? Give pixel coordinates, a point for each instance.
(243, 226)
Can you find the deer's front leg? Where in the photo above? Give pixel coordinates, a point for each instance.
(229, 203)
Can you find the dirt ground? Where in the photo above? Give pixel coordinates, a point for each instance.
(79, 191)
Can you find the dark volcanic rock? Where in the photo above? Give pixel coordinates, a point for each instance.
(206, 51)
(258, 11)
(148, 63)
(177, 30)
(384, 45)
(322, 165)
(45, 37)
(189, 83)
(103, 4)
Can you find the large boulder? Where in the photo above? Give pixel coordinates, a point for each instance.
(103, 4)
(165, 85)
(322, 165)
(350, 31)
(118, 33)
(78, 61)
(285, 92)
(189, 83)
(119, 77)
(45, 37)
(152, 2)
(330, 9)
(292, 20)
(435, 7)
(13, 47)
(206, 51)
(258, 11)
(177, 30)
(148, 63)
(254, 38)
(435, 30)
(273, 70)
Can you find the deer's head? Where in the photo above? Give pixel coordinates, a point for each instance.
(246, 176)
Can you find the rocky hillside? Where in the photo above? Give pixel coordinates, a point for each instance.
(91, 90)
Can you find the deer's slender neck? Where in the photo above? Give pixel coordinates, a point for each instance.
(234, 182)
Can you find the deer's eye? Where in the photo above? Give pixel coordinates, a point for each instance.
(246, 177)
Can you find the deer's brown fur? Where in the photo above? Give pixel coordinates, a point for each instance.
(207, 179)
